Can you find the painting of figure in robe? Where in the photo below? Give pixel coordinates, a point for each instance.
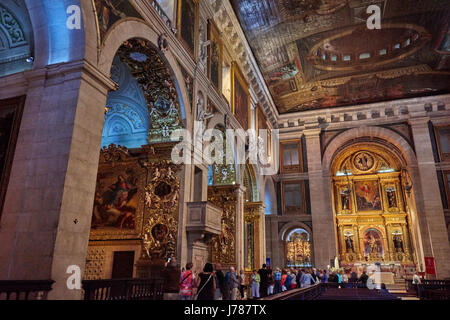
(241, 102)
(187, 24)
(111, 11)
(115, 203)
(367, 195)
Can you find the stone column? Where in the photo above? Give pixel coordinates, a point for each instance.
(433, 230)
(47, 214)
(324, 233)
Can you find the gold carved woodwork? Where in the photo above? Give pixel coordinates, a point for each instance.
(223, 247)
(253, 213)
(362, 231)
(95, 264)
(161, 209)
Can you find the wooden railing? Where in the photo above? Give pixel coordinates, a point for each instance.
(309, 293)
(430, 289)
(124, 289)
(25, 289)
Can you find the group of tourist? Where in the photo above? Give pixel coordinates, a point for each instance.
(215, 284)
(211, 284)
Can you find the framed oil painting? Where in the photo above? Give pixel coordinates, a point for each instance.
(10, 117)
(118, 204)
(111, 11)
(367, 195)
(215, 56)
(187, 24)
(241, 97)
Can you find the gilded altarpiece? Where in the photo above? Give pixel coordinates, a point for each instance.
(223, 247)
(137, 202)
(370, 205)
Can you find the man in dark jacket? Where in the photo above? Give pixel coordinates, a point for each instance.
(263, 284)
(220, 285)
(363, 279)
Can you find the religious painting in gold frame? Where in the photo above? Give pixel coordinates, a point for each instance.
(367, 195)
(118, 207)
(215, 53)
(241, 97)
(187, 22)
(262, 124)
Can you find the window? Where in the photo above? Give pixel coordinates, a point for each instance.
(293, 198)
(442, 134)
(347, 57)
(291, 156)
(383, 52)
(334, 58)
(364, 56)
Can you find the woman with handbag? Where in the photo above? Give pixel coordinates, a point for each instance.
(206, 283)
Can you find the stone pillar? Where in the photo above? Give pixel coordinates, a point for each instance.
(48, 207)
(433, 230)
(323, 224)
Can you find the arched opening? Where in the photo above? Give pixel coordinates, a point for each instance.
(371, 188)
(136, 208)
(297, 248)
(16, 38)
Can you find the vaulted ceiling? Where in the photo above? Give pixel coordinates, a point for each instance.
(319, 53)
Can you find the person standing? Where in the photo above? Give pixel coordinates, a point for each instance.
(324, 278)
(277, 279)
(288, 281)
(363, 279)
(283, 280)
(263, 281)
(206, 283)
(242, 286)
(220, 283)
(255, 281)
(270, 282)
(186, 283)
(306, 279)
(233, 283)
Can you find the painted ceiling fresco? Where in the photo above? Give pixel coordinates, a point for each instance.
(319, 53)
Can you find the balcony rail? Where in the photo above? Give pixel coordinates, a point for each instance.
(430, 289)
(123, 289)
(25, 289)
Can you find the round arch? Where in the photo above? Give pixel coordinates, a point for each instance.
(130, 29)
(370, 131)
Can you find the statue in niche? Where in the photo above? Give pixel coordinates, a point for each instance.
(398, 243)
(373, 246)
(345, 199)
(392, 201)
(349, 244)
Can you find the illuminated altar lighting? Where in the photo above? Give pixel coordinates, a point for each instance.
(340, 174)
(386, 170)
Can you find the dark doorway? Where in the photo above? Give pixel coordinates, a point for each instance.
(123, 264)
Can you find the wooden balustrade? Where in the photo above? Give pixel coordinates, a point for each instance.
(123, 289)
(430, 289)
(25, 289)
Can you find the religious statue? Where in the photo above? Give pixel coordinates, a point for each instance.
(398, 243)
(373, 246)
(349, 244)
(202, 114)
(345, 200)
(392, 202)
